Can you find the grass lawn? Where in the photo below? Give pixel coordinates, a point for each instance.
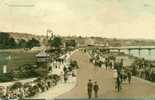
(18, 58)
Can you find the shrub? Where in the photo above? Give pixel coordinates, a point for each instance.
(74, 64)
(16, 86)
(6, 77)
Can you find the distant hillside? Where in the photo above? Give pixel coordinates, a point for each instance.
(89, 40)
(112, 41)
(24, 36)
(10, 40)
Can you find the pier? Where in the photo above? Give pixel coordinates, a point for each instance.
(129, 48)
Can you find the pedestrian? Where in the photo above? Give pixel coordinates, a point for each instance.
(118, 84)
(89, 89)
(106, 63)
(65, 77)
(115, 76)
(122, 74)
(96, 88)
(110, 64)
(129, 76)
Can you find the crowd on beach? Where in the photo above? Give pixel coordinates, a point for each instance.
(59, 71)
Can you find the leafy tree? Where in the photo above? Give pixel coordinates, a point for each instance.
(4, 37)
(16, 86)
(35, 42)
(56, 42)
(6, 77)
(73, 65)
(27, 70)
(22, 43)
(32, 43)
(70, 43)
(9, 42)
(12, 43)
(6, 41)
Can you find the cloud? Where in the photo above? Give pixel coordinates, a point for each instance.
(107, 18)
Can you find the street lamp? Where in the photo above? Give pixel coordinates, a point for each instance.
(5, 66)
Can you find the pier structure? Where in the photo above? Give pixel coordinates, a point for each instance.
(129, 48)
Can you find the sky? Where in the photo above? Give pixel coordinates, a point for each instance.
(103, 18)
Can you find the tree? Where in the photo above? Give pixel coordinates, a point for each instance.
(22, 43)
(6, 77)
(35, 42)
(32, 43)
(16, 86)
(12, 43)
(56, 42)
(70, 43)
(73, 65)
(27, 70)
(4, 37)
(6, 41)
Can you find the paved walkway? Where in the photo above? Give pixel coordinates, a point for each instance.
(138, 87)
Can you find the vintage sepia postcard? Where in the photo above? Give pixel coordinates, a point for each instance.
(77, 49)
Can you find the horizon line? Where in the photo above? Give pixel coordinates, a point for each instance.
(84, 36)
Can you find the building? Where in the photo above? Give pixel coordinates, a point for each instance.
(42, 57)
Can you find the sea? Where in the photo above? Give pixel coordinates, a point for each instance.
(144, 53)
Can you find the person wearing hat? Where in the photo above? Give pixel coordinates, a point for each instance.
(96, 88)
(89, 89)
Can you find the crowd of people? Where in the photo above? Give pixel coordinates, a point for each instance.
(104, 59)
(109, 60)
(25, 90)
(143, 69)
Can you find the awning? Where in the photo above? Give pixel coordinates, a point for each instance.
(42, 54)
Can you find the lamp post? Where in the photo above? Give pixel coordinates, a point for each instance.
(5, 66)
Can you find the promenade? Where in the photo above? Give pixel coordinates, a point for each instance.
(78, 89)
(137, 88)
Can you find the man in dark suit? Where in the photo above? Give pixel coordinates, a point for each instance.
(89, 89)
(96, 88)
